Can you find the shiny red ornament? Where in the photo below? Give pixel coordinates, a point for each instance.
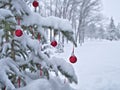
(18, 33)
(73, 59)
(54, 43)
(35, 3)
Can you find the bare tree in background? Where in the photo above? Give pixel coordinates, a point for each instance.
(79, 12)
(87, 10)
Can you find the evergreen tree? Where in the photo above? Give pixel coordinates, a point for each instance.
(24, 55)
(112, 32)
(118, 28)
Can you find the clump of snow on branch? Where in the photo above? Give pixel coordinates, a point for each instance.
(42, 84)
(6, 14)
(65, 68)
(20, 7)
(51, 21)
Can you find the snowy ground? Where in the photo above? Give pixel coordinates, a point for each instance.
(98, 65)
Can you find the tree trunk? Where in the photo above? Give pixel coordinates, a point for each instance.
(51, 7)
(63, 39)
(51, 38)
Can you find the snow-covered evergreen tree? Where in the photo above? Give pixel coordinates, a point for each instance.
(25, 61)
(118, 28)
(112, 32)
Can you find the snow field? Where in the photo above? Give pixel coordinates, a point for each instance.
(98, 65)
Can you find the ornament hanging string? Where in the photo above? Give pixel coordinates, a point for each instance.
(18, 32)
(18, 20)
(35, 9)
(19, 82)
(40, 70)
(32, 32)
(73, 50)
(54, 42)
(73, 58)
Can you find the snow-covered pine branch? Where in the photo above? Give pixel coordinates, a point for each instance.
(55, 23)
(22, 56)
(6, 15)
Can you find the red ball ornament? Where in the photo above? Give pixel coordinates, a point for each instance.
(54, 43)
(35, 3)
(73, 59)
(18, 32)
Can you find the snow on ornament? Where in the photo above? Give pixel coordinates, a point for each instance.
(18, 32)
(54, 43)
(35, 3)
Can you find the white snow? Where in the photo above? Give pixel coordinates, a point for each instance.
(20, 6)
(5, 47)
(4, 14)
(98, 65)
(42, 84)
(65, 67)
(7, 65)
(57, 23)
(51, 21)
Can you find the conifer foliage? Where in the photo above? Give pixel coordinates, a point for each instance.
(112, 31)
(23, 56)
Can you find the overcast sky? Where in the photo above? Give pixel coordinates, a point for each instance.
(112, 8)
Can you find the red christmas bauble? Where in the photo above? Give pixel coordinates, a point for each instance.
(35, 3)
(73, 59)
(18, 32)
(54, 43)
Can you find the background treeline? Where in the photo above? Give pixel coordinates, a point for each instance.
(85, 16)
